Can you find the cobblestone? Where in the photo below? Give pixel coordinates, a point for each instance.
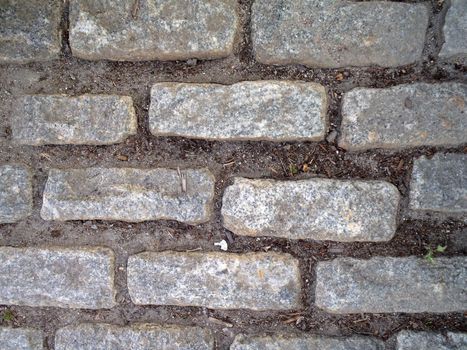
(15, 193)
(404, 116)
(58, 277)
(243, 342)
(135, 337)
(264, 110)
(59, 119)
(336, 33)
(20, 339)
(410, 340)
(320, 209)
(439, 184)
(386, 285)
(152, 30)
(257, 281)
(455, 30)
(30, 31)
(128, 194)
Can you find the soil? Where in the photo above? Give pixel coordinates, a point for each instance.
(285, 160)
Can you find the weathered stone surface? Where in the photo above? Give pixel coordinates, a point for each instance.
(258, 281)
(59, 277)
(20, 339)
(320, 209)
(439, 184)
(409, 340)
(455, 30)
(128, 194)
(152, 30)
(336, 33)
(135, 337)
(282, 342)
(29, 31)
(15, 193)
(60, 119)
(264, 110)
(385, 285)
(404, 116)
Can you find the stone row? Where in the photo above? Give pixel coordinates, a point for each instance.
(399, 117)
(317, 33)
(83, 278)
(101, 336)
(324, 209)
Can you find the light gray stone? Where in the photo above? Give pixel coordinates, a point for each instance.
(264, 110)
(320, 209)
(20, 339)
(305, 342)
(455, 30)
(386, 285)
(257, 281)
(404, 116)
(15, 193)
(135, 337)
(59, 119)
(58, 277)
(29, 30)
(439, 184)
(336, 33)
(409, 340)
(128, 194)
(152, 30)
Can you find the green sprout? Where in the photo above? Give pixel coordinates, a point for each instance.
(430, 255)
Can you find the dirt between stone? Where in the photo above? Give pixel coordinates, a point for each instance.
(284, 160)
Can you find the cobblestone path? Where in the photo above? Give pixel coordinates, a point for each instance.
(233, 174)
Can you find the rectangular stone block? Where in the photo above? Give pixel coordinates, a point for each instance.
(320, 209)
(455, 30)
(29, 30)
(57, 277)
(305, 342)
(15, 193)
(128, 194)
(404, 116)
(337, 33)
(59, 119)
(264, 110)
(439, 184)
(20, 339)
(135, 337)
(152, 30)
(387, 285)
(257, 281)
(410, 340)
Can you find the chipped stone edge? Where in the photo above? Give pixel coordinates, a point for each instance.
(322, 90)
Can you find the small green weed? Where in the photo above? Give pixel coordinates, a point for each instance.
(430, 255)
(8, 316)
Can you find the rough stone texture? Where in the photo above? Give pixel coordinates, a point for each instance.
(152, 30)
(29, 30)
(257, 281)
(59, 277)
(404, 116)
(439, 183)
(128, 194)
(385, 285)
(336, 33)
(408, 340)
(60, 119)
(264, 110)
(455, 30)
(15, 193)
(20, 339)
(135, 337)
(282, 342)
(320, 209)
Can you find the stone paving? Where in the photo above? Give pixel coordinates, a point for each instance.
(310, 259)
